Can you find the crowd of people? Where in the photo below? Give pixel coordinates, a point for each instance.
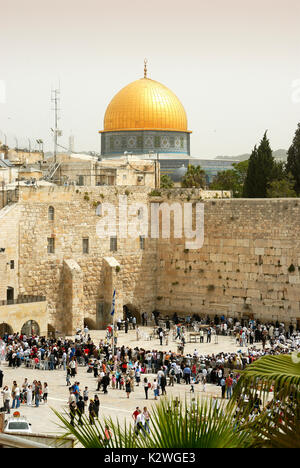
(121, 368)
(27, 394)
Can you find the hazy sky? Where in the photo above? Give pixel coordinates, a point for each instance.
(234, 64)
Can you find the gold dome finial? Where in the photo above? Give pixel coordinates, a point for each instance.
(145, 67)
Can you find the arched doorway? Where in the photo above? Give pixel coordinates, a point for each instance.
(51, 331)
(130, 310)
(91, 324)
(30, 328)
(5, 328)
(10, 295)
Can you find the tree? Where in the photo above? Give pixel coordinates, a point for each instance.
(241, 169)
(194, 177)
(166, 182)
(279, 376)
(282, 188)
(232, 179)
(226, 180)
(260, 170)
(293, 160)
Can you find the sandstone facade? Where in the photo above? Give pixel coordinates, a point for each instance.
(249, 264)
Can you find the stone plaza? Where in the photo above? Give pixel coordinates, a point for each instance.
(114, 404)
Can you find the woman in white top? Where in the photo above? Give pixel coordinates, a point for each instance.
(29, 395)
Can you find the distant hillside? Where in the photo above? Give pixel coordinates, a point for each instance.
(280, 154)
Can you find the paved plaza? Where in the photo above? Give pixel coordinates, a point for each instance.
(115, 403)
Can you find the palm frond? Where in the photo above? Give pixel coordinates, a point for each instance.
(275, 380)
(171, 426)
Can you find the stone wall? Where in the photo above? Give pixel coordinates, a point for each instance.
(75, 219)
(16, 315)
(9, 249)
(249, 263)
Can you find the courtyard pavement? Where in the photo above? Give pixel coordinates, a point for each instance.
(114, 404)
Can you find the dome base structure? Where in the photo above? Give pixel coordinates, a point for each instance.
(145, 142)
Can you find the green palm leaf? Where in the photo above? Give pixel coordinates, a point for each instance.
(276, 379)
(200, 426)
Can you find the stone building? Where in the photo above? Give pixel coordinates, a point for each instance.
(85, 170)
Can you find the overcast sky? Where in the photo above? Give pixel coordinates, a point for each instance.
(234, 64)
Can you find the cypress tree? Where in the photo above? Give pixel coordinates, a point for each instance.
(249, 190)
(260, 170)
(293, 160)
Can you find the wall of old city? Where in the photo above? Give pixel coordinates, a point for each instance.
(249, 263)
(75, 219)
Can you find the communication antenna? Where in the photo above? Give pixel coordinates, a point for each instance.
(55, 98)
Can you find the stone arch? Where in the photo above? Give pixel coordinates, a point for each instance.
(131, 310)
(5, 328)
(90, 323)
(31, 327)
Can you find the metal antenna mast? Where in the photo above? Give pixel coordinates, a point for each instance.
(55, 98)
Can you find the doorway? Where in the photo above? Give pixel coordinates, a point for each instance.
(10, 295)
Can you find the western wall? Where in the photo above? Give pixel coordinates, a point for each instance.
(248, 266)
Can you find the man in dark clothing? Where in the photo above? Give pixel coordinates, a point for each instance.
(80, 410)
(105, 383)
(156, 315)
(72, 408)
(163, 383)
(1, 378)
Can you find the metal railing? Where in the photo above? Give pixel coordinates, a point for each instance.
(23, 300)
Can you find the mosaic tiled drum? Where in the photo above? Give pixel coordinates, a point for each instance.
(144, 117)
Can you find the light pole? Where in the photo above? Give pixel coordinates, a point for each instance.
(5, 137)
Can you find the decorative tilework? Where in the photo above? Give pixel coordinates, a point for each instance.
(140, 142)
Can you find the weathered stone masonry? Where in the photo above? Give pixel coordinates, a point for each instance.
(249, 263)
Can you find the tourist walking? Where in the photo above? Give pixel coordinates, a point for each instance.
(128, 387)
(147, 385)
(92, 412)
(155, 389)
(6, 393)
(45, 394)
(80, 410)
(15, 396)
(146, 419)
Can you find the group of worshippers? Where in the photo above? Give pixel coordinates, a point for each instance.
(26, 394)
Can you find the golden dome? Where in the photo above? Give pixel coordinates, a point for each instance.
(145, 104)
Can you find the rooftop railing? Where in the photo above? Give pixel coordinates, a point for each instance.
(23, 300)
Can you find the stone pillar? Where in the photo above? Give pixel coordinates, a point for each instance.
(111, 268)
(73, 315)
